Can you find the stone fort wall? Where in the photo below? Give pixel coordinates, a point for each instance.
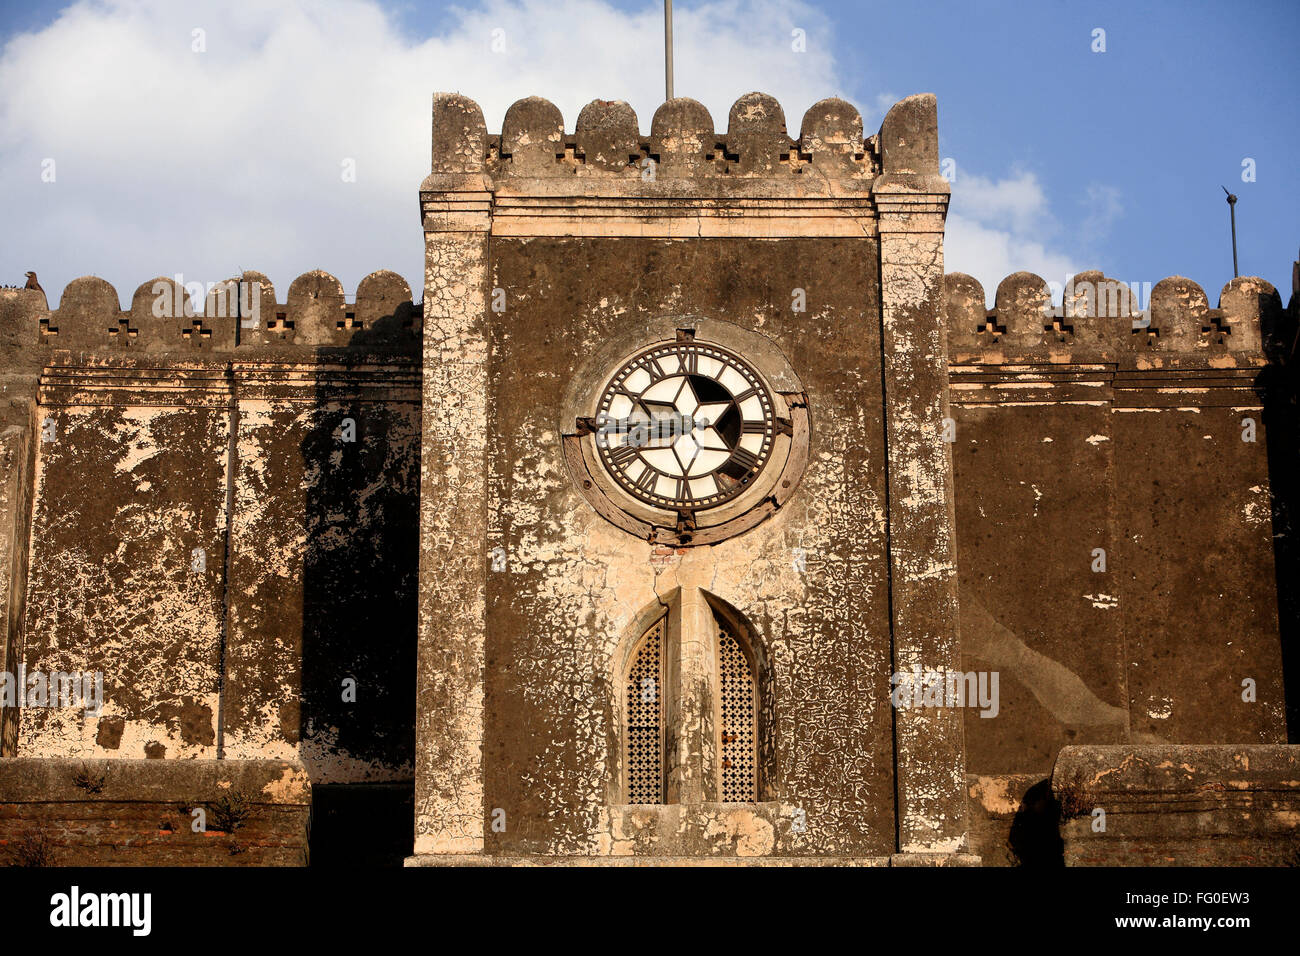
(219, 517)
(181, 508)
(1121, 477)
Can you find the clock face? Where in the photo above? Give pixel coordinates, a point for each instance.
(685, 425)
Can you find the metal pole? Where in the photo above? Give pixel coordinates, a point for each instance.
(668, 49)
(1232, 211)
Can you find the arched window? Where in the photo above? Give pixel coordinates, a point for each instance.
(643, 732)
(692, 707)
(737, 719)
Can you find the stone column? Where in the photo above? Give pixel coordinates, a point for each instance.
(911, 200)
(456, 202)
(692, 734)
(20, 429)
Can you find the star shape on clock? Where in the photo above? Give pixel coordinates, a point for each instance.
(695, 451)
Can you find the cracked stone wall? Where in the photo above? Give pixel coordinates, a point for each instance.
(1114, 530)
(449, 811)
(1197, 586)
(244, 595)
(323, 581)
(929, 750)
(574, 583)
(15, 510)
(123, 498)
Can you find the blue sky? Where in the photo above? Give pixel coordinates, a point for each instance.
(171, 160)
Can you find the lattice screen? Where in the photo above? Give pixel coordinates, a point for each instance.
(737, 733)
(643, 756)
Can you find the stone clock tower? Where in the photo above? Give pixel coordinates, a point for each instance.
(685, 499)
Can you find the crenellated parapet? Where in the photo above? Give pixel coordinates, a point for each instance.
(1099, 319)
(607, 141)
(239, 313)
(682, 178)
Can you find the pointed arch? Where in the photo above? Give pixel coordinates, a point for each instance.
(642, 664)
(694, 706)
(743, 708)
(737, 717)
(643, 726)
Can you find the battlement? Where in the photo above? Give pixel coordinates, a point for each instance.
(238, 312)
(682, 144)
(1101, 319)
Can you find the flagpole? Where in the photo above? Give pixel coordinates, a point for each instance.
(668, 49)
(1232, 211)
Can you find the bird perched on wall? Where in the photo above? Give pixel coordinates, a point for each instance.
(32, 283)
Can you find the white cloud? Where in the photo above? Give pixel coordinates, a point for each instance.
(206, 163)
(1017, 202)
(997, 227)
(168, 160)
(873, 111)
(990, 255)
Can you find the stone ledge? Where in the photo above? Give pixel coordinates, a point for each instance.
(114, 812)
(1184, 805)
(745, 831)
(897, 859)
(935, 859)
(477, 859)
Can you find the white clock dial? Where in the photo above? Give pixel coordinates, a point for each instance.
(685, 425)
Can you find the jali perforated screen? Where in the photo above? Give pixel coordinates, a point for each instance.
(643, 755)
(738, 763)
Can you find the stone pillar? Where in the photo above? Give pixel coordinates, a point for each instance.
(912, 199)
(692, 734)
(456, 204)
(21, 311)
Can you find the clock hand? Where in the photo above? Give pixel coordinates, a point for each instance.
(640, 432)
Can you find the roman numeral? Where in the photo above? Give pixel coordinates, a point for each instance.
(743, 457)
(754, 428)
(691, 360)
(647, 480)
(622, 455)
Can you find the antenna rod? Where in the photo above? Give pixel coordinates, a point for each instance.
(1232, 209)
(668, 49)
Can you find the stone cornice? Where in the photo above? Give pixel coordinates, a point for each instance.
(78, 380)
(1192, 385)
(676, 217)
(672, 209)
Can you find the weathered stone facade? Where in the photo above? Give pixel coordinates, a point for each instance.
(288, 532)
(1115, 534)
